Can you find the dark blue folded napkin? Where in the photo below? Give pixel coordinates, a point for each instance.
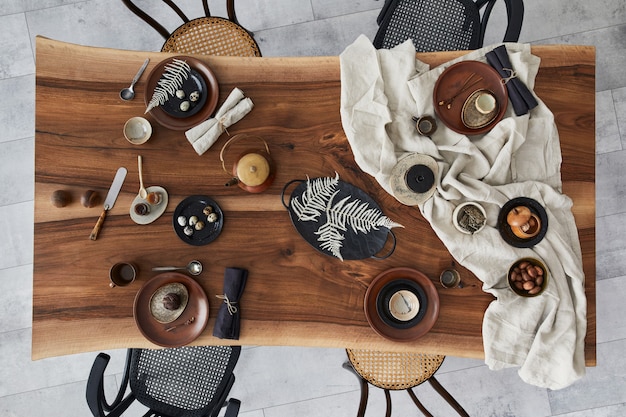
(229, 314)
(521, 97)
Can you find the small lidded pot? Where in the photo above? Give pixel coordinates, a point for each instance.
(524, 223)
(528, 277)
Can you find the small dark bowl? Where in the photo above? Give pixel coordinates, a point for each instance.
(515, 270)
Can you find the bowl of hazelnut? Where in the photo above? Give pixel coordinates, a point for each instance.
(528, 277)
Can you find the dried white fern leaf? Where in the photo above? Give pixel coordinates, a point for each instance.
(349, 212)
(315, 198)
(331, 239)
(175, 74)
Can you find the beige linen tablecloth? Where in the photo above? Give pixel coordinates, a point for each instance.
(520, 157)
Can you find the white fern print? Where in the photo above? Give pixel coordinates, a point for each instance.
(318, 199)
(314, 199)
(175, 74)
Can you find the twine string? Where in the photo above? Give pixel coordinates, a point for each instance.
(229, 304)
(512, 74)
(221, 121)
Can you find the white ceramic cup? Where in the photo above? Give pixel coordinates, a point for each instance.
(137, 130)
(485, 102)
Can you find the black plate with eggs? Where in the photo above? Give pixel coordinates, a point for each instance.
(192, 94)
(198, 220)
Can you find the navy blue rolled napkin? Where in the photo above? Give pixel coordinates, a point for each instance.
(521, 97)
(228, 319)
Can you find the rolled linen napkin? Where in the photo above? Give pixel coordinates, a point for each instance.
(204, 135)
(228, 316)
(521, 97)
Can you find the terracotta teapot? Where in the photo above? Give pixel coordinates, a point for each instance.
(253, 170)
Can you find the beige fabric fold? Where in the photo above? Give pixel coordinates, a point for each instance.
(519, 157)
(204, 135)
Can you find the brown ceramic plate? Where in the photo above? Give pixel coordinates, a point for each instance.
(451, 81)
(381, 326)
(197, 307)
(183, 123)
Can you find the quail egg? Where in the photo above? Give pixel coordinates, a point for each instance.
(199, 225)
(193, 220)
(180, 94)
(212, 218)
(194, 96)
(188, 230)
(207, 210)
(182, 221)
(184, 106)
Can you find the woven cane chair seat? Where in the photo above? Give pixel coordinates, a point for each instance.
(461, 23)
(394, 370)
(443, 25)
(212, 36)
(190, 381)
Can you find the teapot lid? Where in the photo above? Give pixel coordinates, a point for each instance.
(253, 169)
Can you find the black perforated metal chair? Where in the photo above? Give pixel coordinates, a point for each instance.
(177, 382)
(443, 25)
(208, 35)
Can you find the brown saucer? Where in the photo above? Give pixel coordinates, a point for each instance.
(197, 308)
(401, 334)
(178, 123)
(451, 81)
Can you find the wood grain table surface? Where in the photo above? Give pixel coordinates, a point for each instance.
(294, 295)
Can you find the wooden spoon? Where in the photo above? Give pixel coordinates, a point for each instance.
(143, 193)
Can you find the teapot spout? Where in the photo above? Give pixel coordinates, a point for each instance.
(233, 181)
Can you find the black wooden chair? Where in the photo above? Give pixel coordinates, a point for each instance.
(177, 382)
(443, 25)
(392, 371)
(206, 35)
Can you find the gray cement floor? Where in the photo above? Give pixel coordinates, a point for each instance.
(275, 381)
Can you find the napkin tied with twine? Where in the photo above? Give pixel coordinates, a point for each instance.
(204, 135)
(227, 324)
(381, 90)
(521, 98)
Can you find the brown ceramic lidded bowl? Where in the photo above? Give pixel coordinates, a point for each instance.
(528, 277)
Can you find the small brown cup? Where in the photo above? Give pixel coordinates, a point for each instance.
(122, 274)
(450, 278)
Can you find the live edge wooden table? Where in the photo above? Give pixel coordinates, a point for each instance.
(294, 295)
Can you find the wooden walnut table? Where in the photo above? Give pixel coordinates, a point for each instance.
(294, 295)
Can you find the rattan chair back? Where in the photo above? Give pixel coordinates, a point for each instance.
(443, 25)
(394, 370)
(206, 35)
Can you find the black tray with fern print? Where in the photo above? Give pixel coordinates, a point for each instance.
(339, 219)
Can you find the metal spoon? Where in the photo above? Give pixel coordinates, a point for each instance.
(128, 93)
(143, 193)
(193, 267)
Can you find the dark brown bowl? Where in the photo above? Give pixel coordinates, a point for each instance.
(515, 271)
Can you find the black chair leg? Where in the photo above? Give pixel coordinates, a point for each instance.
(446, 395)
(418, 403)
(364, 389)
(388, 399)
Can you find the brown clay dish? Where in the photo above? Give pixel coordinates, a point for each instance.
(401, 334)
(197, 312)
(451, 81)
(178, 123)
